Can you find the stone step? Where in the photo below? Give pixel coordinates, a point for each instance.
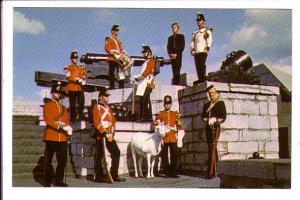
(19, 159)
(28, 150)
(25, 119)
(23, 142)
(27, 131)
(34, 167)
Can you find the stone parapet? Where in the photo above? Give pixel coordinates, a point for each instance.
(251, 124)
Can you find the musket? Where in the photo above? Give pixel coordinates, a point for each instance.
(109, 177)
(133, 99)
(213, 165)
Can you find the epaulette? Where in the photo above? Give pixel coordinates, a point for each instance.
(209, 28)
(106, 38)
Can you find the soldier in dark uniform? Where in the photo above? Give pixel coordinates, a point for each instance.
(213, 114)
(175, 48)
(200, 45)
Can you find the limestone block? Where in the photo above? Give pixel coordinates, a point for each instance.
(161, 90)
(242, 147)
(261, 97)
(124, 148)
(222, 147)
(187, 123)
(243, 88)
(124, 137)
(231, 156)
(283, 171)
(273, 122)
(189, 158)
(272, 98)
(272, 108)
(129, 126)
(197, 147)
(263, 108)
(188, 137)
(120, 95)
(269, 90)
(229, 106)
(259, 122)
(197, 122)
(229, 135)
(271, 155)
(245, 107)
(200, 158)
(236, 122)
(220, 86)
(274, 134)
(271, 147)
(250, 135)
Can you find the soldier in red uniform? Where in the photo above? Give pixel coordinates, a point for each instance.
(147, 77)
(113, 46)
(104, 121)
(213, 114)
(56, 136)
(171, 120)
(76, 76)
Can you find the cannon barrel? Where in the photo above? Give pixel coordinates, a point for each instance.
(235, 69)
(237, 58)
(90, 58)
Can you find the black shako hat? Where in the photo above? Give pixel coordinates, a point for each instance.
(115, 27)
(167, 99)
(210, 87)
(74, 55)
(146, 48)
(200, 17)
(57, 88)
(103, 92)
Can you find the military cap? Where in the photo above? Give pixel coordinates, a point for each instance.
(74, 55)
(146, 48)
(115, 27)
(200, 17)
(167, 99)
(57, 88)
(103, 92)
(210, 87)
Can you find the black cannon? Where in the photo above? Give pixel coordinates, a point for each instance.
(236, 68)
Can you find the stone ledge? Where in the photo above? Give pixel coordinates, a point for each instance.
(269, 169)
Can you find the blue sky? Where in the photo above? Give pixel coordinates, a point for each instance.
(44, 37)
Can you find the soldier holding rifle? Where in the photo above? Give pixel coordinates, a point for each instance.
(104, 121)
(213, 114)
(56, 136)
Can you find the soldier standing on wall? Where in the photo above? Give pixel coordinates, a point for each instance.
(56, 135)
(172, 122)
(104, 121)
(146, 85)
(175, 48)
(213, 114)
(200, 45)
(76, 76)
(113, 46)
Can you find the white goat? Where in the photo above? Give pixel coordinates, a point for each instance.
(148, 146)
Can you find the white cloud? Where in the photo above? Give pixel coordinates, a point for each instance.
(23, 24)
(248, 36)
